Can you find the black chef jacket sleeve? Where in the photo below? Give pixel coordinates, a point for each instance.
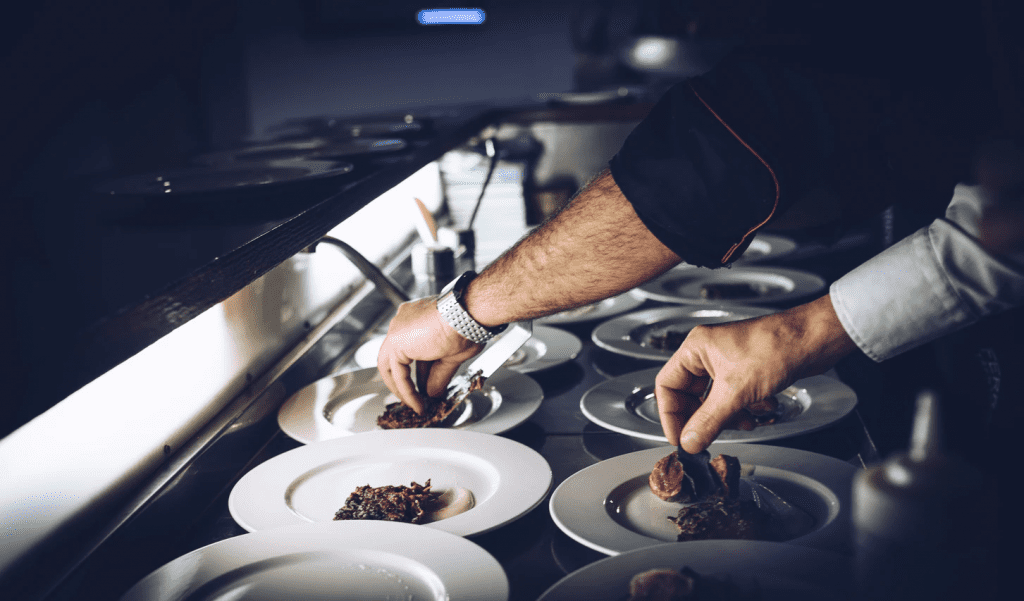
(695, 183)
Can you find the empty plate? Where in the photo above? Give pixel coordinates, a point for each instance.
(340, 561)
(656, 333)
(732, 286)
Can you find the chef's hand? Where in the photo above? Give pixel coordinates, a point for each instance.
(419, 334)
(747, 361)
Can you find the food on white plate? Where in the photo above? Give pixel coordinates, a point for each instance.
(723, 515)
(415, 504)
(398, 415)
(390, 503)
(665, 584)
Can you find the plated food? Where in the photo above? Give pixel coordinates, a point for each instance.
(340, 561)
(686, 584)
(769, 571)
(737, 285)
(503, 478)
(609, 506)
(716, 513)
(352, 402)
(654, 334)
(627, 405)
(436, 411)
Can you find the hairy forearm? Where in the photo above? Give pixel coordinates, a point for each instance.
(596, 247)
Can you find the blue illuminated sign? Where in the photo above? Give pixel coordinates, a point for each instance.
(451, 16)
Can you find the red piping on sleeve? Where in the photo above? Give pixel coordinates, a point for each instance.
(749, 233)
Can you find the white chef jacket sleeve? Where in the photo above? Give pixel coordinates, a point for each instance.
(937, 280)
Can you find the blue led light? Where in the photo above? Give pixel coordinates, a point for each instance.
(451, 16)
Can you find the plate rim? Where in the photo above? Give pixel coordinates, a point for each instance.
(552, 337)
(832, 473)
(821, 415)
(520, 489)
(238, 551)
(608, 334)
(517, 413)
(787, 245)
(815, 283)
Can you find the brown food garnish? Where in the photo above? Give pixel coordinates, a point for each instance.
(721, 518)
(389, 503)
(723, 515)
(727, 468)
(399, 416)
(667, 480)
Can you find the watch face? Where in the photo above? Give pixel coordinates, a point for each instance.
(459, 284)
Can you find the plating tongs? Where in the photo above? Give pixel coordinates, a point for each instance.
(698, 473)
(498, 351)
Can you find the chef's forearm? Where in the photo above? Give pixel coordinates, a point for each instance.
(595, 248)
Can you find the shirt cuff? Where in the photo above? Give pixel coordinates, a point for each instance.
(931, 283)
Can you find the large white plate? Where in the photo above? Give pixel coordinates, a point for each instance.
(781, 572)
(310, 483)
(349, 403)
(767, 247)
(340, 561)
(627, 301)
(628, 334)
(626, 404)
(610, 508)
(548, 347)
(683, 285)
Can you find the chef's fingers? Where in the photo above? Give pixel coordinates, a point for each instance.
(674, 410)
(687, 380)
(707, 422)
(398, 378)
(422, 375)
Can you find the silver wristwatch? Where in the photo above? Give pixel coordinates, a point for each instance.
(449, 305)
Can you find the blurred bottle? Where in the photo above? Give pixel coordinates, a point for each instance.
(902, 515)
(433, 266)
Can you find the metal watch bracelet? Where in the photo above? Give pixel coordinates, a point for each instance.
(454, 315)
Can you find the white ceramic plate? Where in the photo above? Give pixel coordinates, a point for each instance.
(340, 561)
(779, 571)
(627, 405)
(548, 347)
(310, 483)
(626, 301)
(610, 508)
(767, 247)
(776, 284)
(349, 403)
(629, 334)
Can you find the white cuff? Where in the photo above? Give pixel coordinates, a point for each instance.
(935, 281)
